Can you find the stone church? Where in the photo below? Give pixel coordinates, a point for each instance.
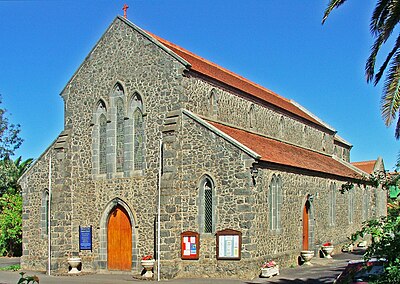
(162, 148)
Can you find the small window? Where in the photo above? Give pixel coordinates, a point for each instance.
(281, 126)
(207, 205)
(44, 220)
(332, 204)
(138, 139)
(365, 203)
(351, 205)
(275, 202)
(252, 119)
(120, 136)
(213, 104)
(102, 144)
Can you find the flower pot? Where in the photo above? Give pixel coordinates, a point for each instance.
(327, 251)
(306, 256)
(269, 271)
(74, 263)
(148, 265)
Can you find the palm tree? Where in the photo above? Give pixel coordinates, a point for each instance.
(384, 20)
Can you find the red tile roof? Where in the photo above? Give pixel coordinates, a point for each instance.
(366, 166)
(277, 152)
(223, 75)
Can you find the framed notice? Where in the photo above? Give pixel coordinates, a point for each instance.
(190, 245)
(229, 244)
(85, 238)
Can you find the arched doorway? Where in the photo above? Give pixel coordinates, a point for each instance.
(306, 223)
(119, 240)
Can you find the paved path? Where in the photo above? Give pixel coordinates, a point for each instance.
(322, 271)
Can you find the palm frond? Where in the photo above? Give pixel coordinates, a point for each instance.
(332, 5)
(390, 100)
(379, 15)
(378, 75)
(370, 64)
(397, 130)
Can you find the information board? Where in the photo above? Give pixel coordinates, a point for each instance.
(190, 245)
(85, 238)
(229, 243)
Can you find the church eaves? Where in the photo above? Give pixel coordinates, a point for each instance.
(281, 153)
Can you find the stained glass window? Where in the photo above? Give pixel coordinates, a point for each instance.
(102, 144)
(120, 137)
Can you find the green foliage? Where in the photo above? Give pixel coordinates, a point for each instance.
(385, 236)
(10, 172)
(11, 224)
(14, 267)
(28, 279)
(9, 135)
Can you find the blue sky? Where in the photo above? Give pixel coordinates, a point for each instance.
(279, 44)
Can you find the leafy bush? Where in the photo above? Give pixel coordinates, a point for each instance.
(11, 224)
(385, 236)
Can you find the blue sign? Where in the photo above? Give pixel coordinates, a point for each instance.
(85, 238)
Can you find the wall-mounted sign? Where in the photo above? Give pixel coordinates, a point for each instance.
(85, 238)
(229, 244)
(190, 245)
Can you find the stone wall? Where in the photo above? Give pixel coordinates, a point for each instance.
(189, 154)
(35, 184)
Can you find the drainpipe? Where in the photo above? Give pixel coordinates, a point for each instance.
(159, 212)
(48, 222)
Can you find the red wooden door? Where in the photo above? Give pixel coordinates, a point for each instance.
(305, 225)
(119, 240)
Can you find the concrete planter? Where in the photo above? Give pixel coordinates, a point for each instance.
(269, 271)
(327, 251)
(148, 265)
(75, 264)
(306, 256)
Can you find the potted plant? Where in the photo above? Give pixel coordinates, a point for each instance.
(148, 264)
(269, 268)
(327, 249)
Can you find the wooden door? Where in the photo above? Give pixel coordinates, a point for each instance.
(119, 240)
(305, 225)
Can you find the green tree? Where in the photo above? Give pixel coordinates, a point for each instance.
(11, 205)
(10, 172)
(384, 20)
(9, 135)
(11, 224)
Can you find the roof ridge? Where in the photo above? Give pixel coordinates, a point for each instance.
(218, 66)
(363, 162)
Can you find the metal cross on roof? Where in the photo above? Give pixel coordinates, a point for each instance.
(125, 8)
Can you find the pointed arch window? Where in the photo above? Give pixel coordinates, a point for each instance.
(44, 220)
(138, 140)
(207, 205)
(281, 125)
(275, 202)
(213, 103)
(365, 203)
(351, 205)
(102, 144)
(120, 136)
(252, 119)
(332, 204)
(136, 150)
